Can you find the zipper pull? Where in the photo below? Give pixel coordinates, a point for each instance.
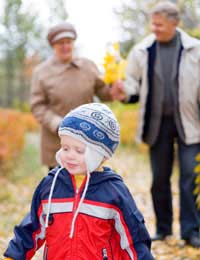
(104, 253)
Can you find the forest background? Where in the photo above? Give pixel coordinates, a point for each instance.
(23, 43)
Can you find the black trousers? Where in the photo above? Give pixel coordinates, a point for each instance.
(162, 158)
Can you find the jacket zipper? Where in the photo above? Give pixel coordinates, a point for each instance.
(104, 254)
(45, 253)
(76, 199)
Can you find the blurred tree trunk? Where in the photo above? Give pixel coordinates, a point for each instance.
(17, 26)
(9, 78)
(20, 30)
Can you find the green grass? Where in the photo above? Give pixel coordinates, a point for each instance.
(28, 164)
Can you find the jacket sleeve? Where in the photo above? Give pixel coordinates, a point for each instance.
(137, 242)
(29, 235)
(133, 74)
(40, 105)
(102, 90)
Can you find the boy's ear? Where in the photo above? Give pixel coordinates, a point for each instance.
(57, 156)
(93, 159)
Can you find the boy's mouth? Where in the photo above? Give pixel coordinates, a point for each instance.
(71, 165)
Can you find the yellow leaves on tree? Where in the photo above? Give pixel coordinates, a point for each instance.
(114, 65)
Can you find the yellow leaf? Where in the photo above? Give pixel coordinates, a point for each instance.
(197, 158)
(196, 191)
(197, 179)
(197, 168)
(116, 47)
(198, 201)
(114, 65)
(122, 69)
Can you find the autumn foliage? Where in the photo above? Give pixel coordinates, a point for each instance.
(114, 65)
(13, 126)
(127, 116)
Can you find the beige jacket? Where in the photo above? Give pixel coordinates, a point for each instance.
(56, 89)
(189, 83)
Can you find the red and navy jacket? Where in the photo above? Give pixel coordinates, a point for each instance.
(108, 225)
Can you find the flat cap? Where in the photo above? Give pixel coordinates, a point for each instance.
(60, 31)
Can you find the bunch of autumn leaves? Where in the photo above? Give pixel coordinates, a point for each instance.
(114, 65)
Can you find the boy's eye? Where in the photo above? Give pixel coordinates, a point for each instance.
(65, 149)
(80, 151)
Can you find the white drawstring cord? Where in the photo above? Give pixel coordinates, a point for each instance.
(93, 160)
(79, 205)
(50, 197)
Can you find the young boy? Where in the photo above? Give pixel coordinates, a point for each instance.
(83, 211)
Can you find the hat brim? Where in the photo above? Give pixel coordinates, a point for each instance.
(63, 35)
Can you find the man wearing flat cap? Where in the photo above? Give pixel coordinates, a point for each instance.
(65, 30)
(61, 83)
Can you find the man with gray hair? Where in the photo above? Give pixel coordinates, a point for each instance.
(163, 73)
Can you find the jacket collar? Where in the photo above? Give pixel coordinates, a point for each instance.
(96, 176)
(187, 41)
(75, 62)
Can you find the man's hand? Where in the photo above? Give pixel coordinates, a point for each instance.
(117, 91)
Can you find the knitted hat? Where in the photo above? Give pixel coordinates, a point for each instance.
(95, 125)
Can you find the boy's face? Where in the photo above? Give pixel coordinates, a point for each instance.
(72, 155)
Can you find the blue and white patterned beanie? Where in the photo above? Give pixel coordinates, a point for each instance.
(95, 125)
